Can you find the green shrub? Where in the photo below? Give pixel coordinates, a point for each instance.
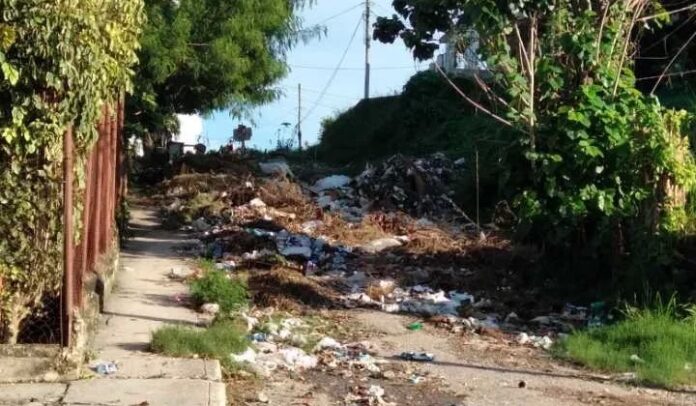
(217, 287)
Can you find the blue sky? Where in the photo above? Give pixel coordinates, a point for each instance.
(312, 65)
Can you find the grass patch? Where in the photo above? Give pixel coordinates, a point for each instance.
(661, 337)
(217, 286)
(216, 342)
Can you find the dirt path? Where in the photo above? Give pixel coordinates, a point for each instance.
(468, 370)
(484, 373)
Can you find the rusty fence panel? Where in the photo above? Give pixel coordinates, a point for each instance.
(105, 180)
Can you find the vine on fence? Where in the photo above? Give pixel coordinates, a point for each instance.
(61, 61)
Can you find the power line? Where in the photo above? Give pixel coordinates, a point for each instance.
(349, 69)
(315, 91)
(335, 72)
(344, 12)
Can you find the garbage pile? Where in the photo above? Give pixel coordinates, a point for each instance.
(343, 235)
(286, 345)
(419, 187)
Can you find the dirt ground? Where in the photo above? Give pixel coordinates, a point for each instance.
(474, 367)
(468, 370)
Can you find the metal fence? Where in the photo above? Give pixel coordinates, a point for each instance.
(105, 181)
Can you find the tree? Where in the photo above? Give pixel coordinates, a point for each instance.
(601, 155)
(199, 56)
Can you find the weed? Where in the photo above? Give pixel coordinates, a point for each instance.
(217, 342)
(218, 287)
(656, 343)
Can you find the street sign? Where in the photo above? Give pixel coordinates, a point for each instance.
(242, 133)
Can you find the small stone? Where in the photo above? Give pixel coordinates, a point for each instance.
(388, 375)
(522, 385)
(262, 398)
(51, 376)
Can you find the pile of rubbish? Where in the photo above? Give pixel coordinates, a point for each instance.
(278, 345)
(292, 229)
(419, 187)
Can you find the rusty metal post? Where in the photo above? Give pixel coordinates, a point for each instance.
(123, 143)
(68, 248)
(87, 215)
(97, 169)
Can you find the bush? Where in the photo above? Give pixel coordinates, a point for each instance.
(217, 287)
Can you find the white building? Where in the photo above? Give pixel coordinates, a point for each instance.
(190, 131)
(460, 56)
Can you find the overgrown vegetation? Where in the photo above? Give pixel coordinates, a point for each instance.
(607, 169)
(427, 117)
(216, 286)
(657, 343)
(60, 63)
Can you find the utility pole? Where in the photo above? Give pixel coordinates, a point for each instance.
(299, 114)
(368, 42)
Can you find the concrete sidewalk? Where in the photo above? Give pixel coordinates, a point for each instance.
(144, 299)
